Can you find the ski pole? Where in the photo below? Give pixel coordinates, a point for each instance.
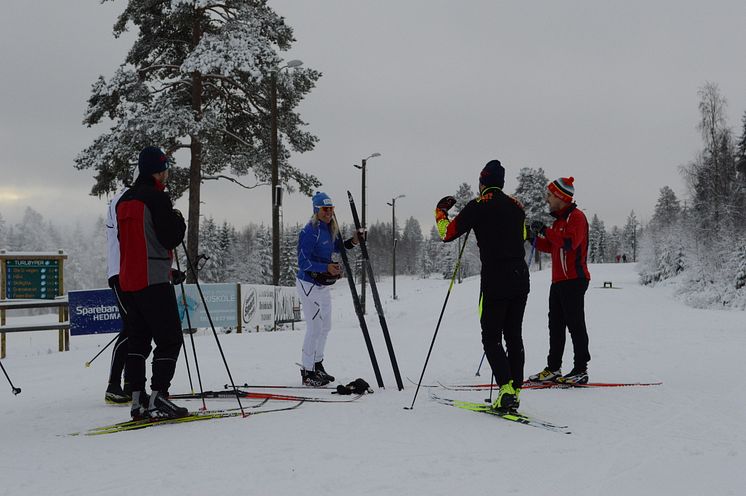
(212, 326)
(442, 310)
(16, 390)
(492, 383)
(191, 337)
(89, 362)
(359, 310)
(376, 297)
(480, 364)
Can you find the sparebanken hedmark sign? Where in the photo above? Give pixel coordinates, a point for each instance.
(95, 311)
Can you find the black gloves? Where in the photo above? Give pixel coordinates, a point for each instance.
(358, 386)
(537, 228)
(177, 277)
(446, 203)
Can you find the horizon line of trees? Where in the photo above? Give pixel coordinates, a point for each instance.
(245, 255)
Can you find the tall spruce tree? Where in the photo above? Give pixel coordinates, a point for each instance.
(630, 237)
(289, 255)
(667, 209)
(464, 194)
(199, 78)
(597, 241)
(531, 192)
(432, 251)
(409, 251)
(259, 264)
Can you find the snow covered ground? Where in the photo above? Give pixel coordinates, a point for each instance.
(686, 437)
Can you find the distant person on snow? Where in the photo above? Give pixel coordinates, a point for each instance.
(567, 241)
(317, 271)
(498, 221)
(149, 229)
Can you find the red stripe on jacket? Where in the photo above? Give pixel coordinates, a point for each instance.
(133, 261)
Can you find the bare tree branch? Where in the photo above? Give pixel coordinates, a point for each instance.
(220, 176)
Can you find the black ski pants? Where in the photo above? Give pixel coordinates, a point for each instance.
(503, 318)
(567, 311)
(153, 315)
(119, 354)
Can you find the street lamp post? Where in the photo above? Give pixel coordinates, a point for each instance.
(274, 150)
(363, 225)
(393, 239)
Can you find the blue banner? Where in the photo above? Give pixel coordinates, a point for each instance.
(93, 311)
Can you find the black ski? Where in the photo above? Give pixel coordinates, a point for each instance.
(229, 394)
(359, 311)
(277, 386)
(376, 297)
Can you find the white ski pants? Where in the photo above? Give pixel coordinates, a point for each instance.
(317, 310)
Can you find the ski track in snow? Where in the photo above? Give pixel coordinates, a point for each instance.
(684, 437)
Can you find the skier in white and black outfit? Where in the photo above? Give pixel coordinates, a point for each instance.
(115, 393)
(149, 229)
(317, 242)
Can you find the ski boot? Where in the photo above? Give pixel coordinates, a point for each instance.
(546, 375)
(507, 398)
(160, 407)
(576, 376)
(115, 395)
(319, 368)
(312, 379)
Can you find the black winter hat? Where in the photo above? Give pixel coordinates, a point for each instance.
(152, 160)
(493, 174)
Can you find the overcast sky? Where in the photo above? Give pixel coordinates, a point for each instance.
(605, 91)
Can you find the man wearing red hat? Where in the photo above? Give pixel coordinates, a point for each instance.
(567, 241)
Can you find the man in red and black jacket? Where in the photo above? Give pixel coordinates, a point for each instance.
(149, 229)
(498, 222)
(567, 241)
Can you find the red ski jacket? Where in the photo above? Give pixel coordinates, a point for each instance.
(567, 241)
(149, 228)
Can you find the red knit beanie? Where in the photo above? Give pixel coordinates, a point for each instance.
(562, 188)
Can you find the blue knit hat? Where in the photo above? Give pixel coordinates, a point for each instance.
(321, 200)
(493, 174)
(152, 160)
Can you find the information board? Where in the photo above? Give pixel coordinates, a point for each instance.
(32, 279)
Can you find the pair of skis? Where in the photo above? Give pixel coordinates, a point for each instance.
(548, 385)
(376, 299)
(518, 417)
(261, 395)
(509, 415)
(196, 416)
